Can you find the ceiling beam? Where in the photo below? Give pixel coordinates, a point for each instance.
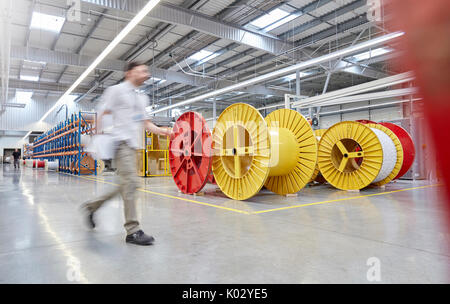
(321, 19)
(82, 61)
(173, 14)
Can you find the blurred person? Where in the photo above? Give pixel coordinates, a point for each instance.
(426, 45)
(127, 109)
(16, 155)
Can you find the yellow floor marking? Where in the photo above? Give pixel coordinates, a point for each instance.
(342, 199)
(91, 178)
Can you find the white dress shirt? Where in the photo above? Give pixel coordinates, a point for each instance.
(128, 112)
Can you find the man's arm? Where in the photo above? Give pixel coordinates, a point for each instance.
(100, 120)
(107, 102)
(149, 126)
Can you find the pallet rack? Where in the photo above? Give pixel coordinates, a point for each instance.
(63, 142)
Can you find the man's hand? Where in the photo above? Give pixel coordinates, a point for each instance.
(171, 134)
(157, 130)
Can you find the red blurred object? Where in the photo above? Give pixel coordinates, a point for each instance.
(190, 153)
(409, 152)
(426, 46)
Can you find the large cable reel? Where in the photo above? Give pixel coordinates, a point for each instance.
(190, 153)
(249, 152)
(409, 151)
(353, 155)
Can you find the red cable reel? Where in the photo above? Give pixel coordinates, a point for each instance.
(409, 152)
(190, 153)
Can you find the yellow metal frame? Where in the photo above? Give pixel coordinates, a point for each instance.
(144, 172)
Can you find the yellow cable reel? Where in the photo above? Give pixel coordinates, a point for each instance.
(350, 155)
(279, 152)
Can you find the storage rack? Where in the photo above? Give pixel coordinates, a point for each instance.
(27, 151)
(63, 142)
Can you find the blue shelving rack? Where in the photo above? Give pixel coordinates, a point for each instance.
(63, 143)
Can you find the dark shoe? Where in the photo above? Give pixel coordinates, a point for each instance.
(90, 220)
(89, 217)
(140, 238)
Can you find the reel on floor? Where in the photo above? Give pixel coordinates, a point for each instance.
(353, 155)
(190, 153)
(249, 152)
(409, 151)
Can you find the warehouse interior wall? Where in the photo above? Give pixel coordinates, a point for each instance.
(23, 119)
(9, 142)
(377, 115)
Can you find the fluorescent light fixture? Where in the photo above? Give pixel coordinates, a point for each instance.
(271, 18)
(142, 13)
(371, 54)
(47, 22)
(29, 77)
(23, 96)
(287, 70)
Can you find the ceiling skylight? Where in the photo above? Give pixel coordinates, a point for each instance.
(273, 19)
(176, 112)
(29, 77)
(212, 56)
(47, 22)
(153, 80)
(370, 54)
(34, 65)
(294, 76)
(200, 55)
(281, 22)
(23, 96)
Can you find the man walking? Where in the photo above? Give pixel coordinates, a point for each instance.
(127, 108)
(16, 155)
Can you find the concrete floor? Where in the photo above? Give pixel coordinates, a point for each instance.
(212, 239)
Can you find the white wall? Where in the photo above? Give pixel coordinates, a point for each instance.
(24, 119)
(377, 115)
(10, 142)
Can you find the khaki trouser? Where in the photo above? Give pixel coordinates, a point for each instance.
(126, 168)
